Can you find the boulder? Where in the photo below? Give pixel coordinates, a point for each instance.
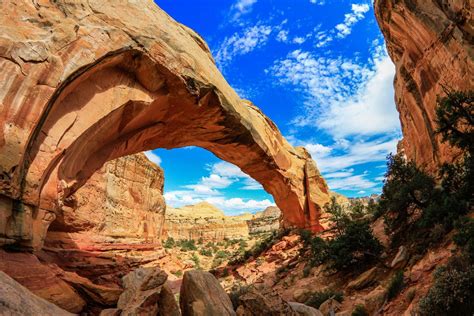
(202, 295)
(304, 310)
(253, 303)
(329, 306)
(301, 295)
(401, 258)
(17, 300)
(365, 279)
(146, 293)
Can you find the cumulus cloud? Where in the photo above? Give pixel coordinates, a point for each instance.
(153, 157)
(221, 176)
(343, 97)
(241, 43)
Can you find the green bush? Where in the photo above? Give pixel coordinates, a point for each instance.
(317, 298)
(360, 310)
(464, 238)
(452, 292)
(169, 243)
(206, 252)
(395, 286)
(187, 244)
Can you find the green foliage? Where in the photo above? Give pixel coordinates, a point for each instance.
(319, 297)
(455, 119)
(196, 261)
(464, 238)
(360, 310)
(353, 244)
(206, 252)
(395, 286)
(200, 241)
(186, 244)
(452, 291)
(169, 243)
(306, 270)
(178, 273)
(406, 187)
(222, 254)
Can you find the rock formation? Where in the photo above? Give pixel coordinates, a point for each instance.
(201, 294)
(431, 44)
(205, 221)
(16, 300)
(266, 221)
(85, 82)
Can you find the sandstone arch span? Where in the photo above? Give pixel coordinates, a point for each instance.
(113, 79)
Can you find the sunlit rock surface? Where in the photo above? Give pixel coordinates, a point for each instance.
(431, 44)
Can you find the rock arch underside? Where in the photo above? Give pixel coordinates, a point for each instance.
(85, 82)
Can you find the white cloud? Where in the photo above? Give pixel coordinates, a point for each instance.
(357, 14)
(153, 157)
(343, 97)
(242, 43)
(282, 36)
(242, 7)
(352, 183)
(360, 152)
(222, 175)
(343, 29)
(299, 40)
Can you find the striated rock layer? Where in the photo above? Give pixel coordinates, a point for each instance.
(84, 82)
(266, 221)
(204, 221)
(431, 44)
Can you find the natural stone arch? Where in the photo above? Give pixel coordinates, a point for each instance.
(155, 85)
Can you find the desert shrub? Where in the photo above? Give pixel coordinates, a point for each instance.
(406, 188)
(452, 290)
(206, 252)
(187, 244)
(360, 310)
(305, 236)
(178, 273)
(356, 246)
(169, 243)
(464, 238)
(317, 298)
(411, 295)
(395, 286)
(222, 254)
(195, 259)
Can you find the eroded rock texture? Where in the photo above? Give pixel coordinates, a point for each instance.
(431, 44)
(85, 82)
(204, 221)
(266, 221)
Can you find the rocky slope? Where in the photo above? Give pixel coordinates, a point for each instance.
(431, 44)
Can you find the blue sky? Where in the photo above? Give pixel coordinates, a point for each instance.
(317, 68)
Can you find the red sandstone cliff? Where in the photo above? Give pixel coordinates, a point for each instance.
(431, 44)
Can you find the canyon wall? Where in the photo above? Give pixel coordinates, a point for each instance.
(431, 44)
(205, 221)
(266, 221)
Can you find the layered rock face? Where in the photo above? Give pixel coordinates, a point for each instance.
(114, 79)
(266, 221)
(115, 222)
(431, 44)
(205, 221)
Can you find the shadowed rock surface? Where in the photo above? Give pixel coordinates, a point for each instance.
(17, 300)
(202, 295)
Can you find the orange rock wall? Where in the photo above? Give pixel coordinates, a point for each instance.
(431, 44)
